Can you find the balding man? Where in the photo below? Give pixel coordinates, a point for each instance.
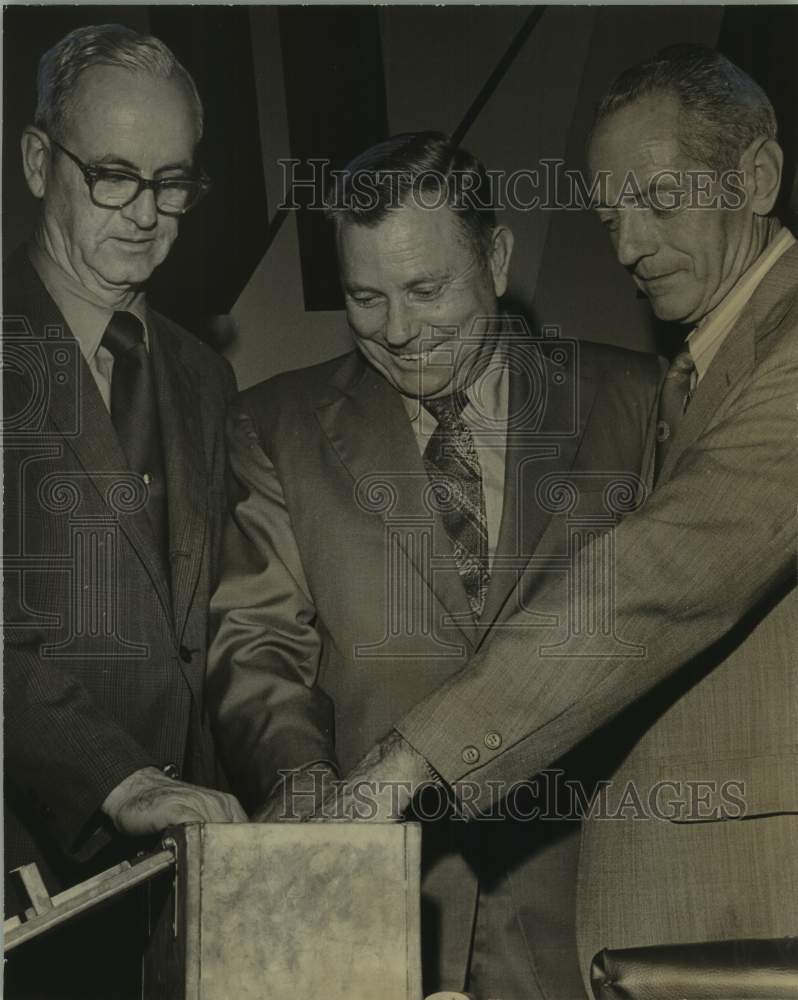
(114, 491)
(685, 153)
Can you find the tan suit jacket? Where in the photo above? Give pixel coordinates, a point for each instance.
(704, 586)
(340, 606)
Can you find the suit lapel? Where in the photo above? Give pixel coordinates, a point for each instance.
(547, 415)
(76, 408)
(733, 362)
(367, 424)
(737, 354)
(179, 407)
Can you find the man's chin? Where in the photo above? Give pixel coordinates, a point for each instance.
(422, 387)
(670, 310)
(122, 272)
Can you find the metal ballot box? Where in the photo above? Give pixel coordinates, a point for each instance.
(268, 912)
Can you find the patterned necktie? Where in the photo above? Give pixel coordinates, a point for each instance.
(673, 402)
(134, 413)
(453, 467)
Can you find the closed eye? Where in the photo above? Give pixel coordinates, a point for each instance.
(364, 299)
(115, 176)
(426, 292)
(609, 221)
(668, 206)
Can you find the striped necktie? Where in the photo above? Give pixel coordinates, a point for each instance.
(453, 468)
(677, 391)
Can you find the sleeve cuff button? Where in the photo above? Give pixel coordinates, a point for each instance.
(470, 755)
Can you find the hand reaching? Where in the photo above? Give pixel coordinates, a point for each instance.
(298, 795)
(380, 787)
(148, 802)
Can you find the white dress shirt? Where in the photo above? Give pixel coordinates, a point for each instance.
(86, 316)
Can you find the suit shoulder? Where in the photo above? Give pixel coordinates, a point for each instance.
(607, 362)
(199, 354)
(292, 387)
(776, 321)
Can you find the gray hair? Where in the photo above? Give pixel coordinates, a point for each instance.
(723, 109)
(101, 45)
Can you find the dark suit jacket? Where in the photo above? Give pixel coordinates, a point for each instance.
(105, 646)
(705, 576)
(340, 605)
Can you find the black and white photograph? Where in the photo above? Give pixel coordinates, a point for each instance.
(400, 502)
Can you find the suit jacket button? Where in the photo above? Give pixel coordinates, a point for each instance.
(470, 755)
(171, 771)
(493, 741)
(185, 654)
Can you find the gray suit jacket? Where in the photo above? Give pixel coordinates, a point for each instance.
(340, 605)
(105, 646)
(704, 588)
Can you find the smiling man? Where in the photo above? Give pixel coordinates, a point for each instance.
(114, 487)
(389, 500)
(704, 571)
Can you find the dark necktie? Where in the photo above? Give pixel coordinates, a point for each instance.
(673, 402)
(134, 413)
(452, 462)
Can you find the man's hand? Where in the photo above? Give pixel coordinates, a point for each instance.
(148, 802)
(298, 794)
(380, 787)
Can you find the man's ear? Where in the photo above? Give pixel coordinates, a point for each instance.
(501, 250)
(36, 159)
(762, 163)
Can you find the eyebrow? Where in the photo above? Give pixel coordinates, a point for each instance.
(119, 161)
(441, 276)
(426, 278)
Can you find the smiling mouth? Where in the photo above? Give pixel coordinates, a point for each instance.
(657, 277)
(420, 356)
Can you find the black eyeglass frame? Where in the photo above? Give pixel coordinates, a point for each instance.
(92, 172)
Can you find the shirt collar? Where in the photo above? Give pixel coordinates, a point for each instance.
(85, 315)
(705, 340)
(486, 395)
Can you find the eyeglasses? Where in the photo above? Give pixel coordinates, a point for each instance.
(111, 187)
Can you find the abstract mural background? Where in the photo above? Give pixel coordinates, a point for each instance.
(515, 84)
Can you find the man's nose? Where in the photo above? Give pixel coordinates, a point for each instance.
(634, 238)
(142, 210)
(398, 326)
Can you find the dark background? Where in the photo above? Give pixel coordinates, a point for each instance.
(518, 83)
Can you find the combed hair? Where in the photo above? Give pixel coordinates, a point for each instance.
(425, 167)
(723, 109)
(101, 45)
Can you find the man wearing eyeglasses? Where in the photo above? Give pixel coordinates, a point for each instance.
(114, 492)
